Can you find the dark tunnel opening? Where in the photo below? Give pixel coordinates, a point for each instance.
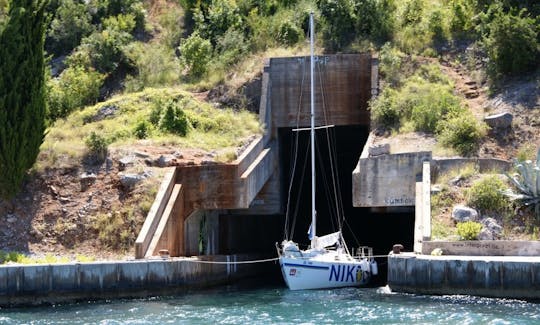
(363, 226)
(377, 228)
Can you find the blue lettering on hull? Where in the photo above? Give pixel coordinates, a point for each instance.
(344, 273)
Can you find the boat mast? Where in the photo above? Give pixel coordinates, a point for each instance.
(312, 133)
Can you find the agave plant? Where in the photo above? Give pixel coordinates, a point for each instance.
(527, 181)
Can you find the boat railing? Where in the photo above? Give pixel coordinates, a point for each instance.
(363, 252)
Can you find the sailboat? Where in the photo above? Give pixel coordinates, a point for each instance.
(327, 262)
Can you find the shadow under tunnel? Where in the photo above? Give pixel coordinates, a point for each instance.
(377, 228)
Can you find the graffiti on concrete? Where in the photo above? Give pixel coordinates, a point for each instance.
(399, 201)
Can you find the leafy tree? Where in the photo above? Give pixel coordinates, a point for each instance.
(71, 23)
(22, 92)
(289, 33)
(339, 22)
(105, 49)
(220, 16)
(512, 44)
(196, 52)
(4, 8)
(174, 120)
(232, 46)
(75, 87)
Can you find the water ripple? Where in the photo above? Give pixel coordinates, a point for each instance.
(281, 306)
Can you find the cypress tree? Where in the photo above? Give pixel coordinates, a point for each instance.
(22, 92)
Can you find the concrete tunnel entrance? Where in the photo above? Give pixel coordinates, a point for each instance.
(379, 229)
(364, 226)
(349, 82)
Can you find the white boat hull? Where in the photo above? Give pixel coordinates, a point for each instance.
(306, 273)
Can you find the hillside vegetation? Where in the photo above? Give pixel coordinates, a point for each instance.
(170, 76)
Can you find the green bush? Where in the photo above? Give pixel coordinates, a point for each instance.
(195, 52)
(106, 8)
(462, 132)
(437, 26)
(425, 99)
(105, 49)
(512, 44)
(433, 73)
(117, 230)
(390, 63)
(426, 103)
(384, 109)
(338, 22)
(486, 195)
(155, 66)
(462, 13)
(430, 103)
(75, 87)
(232, 46)
(217, 19)
(71, 22)
(97, 146)
(469, 230)
(122, 23)
(376, 19)
(174, 120)
(172, 21)
(142, 129)
(386, 20)
(155, 112)
(412, 13)
(289, 33)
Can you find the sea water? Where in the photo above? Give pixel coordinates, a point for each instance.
(278, 305)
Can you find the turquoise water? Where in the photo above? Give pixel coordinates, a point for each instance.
(277, 305)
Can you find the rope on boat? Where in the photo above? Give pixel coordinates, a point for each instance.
(233, 262)
(249, 262)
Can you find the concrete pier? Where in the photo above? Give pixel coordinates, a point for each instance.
(55, 283)
(489, 276)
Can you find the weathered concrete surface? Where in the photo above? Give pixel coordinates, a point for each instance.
(154, 215)
(210, 187)
(422, 218)
(54, 283)
(344, 78)
(171, 224)
(201, 233)
(227, 186)
(387, 180)
(495, 276)
(484, 247)
(442, 165)
(251, 184)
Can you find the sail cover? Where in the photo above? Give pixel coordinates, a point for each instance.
(328, 240)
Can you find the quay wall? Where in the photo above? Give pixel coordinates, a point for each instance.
(489, 276)
(59, 283)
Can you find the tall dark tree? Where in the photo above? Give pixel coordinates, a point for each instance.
(22, 92)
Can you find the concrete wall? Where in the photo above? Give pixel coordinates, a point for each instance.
(387, 180)
(154, 215)
(484, 247)
(203, 223)
(442, 165)
(170, 225)
(504, 277)
(345, 81)
(54, 283)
